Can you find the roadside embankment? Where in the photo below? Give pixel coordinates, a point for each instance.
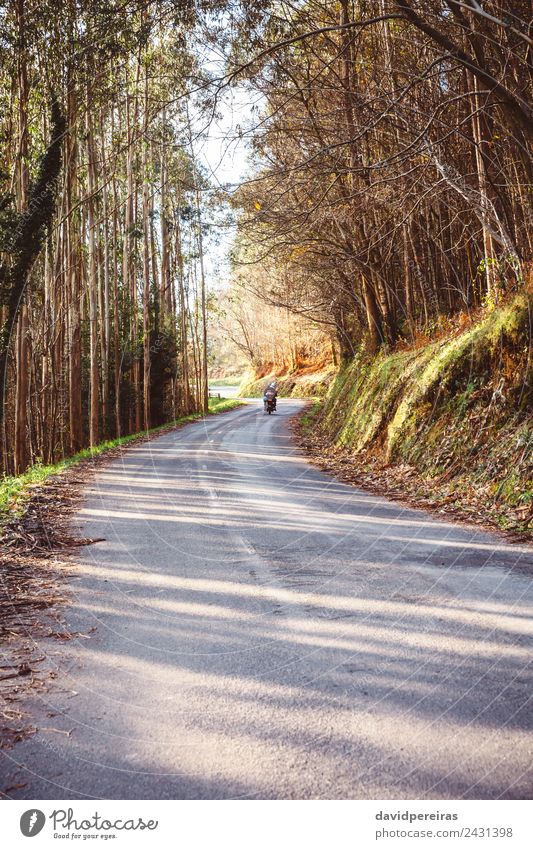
(448, 425)
(308, 384)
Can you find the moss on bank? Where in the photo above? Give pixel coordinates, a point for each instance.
(459, 411)
(310, 385)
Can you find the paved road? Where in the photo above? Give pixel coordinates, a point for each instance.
(263, 631)
(224, 391)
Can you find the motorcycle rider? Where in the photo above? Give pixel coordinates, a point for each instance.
(271, 391)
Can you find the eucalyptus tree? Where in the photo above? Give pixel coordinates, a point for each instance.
(393, 159)
(97, 166)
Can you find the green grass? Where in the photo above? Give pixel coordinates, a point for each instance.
(14, 491)
(309, 386)
(457, 410)
(310, 415)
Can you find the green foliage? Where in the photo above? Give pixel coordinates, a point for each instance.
(220, 405)
(459, 410)
(309, 417)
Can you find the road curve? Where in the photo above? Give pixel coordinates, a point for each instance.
(252, 628)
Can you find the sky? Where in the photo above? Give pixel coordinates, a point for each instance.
(225, 155)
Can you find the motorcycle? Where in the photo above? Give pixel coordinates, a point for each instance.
(270, 403)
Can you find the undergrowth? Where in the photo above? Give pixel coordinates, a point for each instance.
(459, 411)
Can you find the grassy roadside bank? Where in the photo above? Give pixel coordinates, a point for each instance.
(298, 385)
(15, 491)
(448, 426)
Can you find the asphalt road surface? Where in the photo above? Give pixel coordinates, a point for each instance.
(252, 628)
(224, 391)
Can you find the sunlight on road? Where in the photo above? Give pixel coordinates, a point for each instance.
(265, 631)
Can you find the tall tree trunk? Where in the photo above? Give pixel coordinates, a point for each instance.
(146, 208)
(183, 312)
(204, 404)
(203, 395)
(407, 282)
(22, 345)
(46, 359)
(116, 313)
(21, 397)
(483, 184)
(166, 287)
(73, 268)
(105, 326)
(94, 429)
(129, 275)
(373, 315)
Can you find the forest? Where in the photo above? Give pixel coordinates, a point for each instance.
(394, 191)
(103, 290)
(387, 200)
